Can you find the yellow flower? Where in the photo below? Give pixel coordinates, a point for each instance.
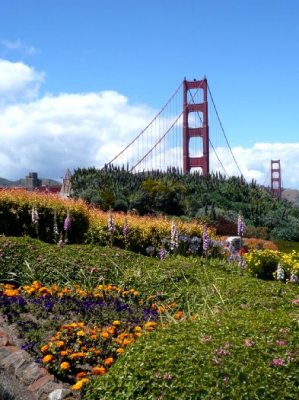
(65, 365)
(48, 358)
(116, 323)
(79, 384)
(149, 325)
(80, 333)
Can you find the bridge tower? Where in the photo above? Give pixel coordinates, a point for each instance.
(276, 178)
(201, 131)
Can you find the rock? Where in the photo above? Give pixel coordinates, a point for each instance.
(32, 373)
(59, 394)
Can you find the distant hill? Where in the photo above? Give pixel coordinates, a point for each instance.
(21, 182)
(291, 195)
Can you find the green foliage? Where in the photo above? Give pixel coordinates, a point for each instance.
(238, 334)
(214, 198)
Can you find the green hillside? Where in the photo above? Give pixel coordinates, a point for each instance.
(221, 333)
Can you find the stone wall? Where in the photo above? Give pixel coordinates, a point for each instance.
(21, 378)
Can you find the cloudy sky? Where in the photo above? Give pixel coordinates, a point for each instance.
(80, 78)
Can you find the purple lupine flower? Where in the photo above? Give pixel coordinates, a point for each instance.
(110, 223)
(241, 225)
(174, 237)
(293, 278)
(126, 229)
(34, 216)
(67, 223)
(163, 254)
(205, 241)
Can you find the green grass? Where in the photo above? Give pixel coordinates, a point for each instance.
(287, 247)
(203, 356)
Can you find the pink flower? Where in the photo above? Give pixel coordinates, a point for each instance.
(281, 343)
(295, 302)
(248, 343)
(277, 362)
(206, 339)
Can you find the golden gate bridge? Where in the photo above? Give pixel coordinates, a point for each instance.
(186, 134)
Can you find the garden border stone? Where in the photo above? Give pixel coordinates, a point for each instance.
(21, 378)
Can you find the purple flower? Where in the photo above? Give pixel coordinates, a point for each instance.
(241, 225)
(110, 224)
(163, 254)
(126, 229)
(205, 241)
(67, 223)
(174, 237)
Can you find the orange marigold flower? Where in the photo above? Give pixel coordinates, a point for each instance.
(65, 365)
(138, 328)
(120, 350)
(44, 348)
(138, 334)
(109, 361)
(81, 374)
(149, 325)
(59, 343)
(80, 384)
(105, 334)
(77, 355)
(48, 358)
(11, 292)
(179, 315)
(64, 353)
(98, 371)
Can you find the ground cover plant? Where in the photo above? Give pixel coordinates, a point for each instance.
(220, 333)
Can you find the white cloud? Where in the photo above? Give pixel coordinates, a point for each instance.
(18, 82)
(17, 45)
(52, 133)
(255, 162)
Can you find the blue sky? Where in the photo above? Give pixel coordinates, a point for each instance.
(139, 52)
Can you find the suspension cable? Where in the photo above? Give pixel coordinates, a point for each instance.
(224, 131)
(163, 136)
(148, 125)
(159, 141)
(220, 162)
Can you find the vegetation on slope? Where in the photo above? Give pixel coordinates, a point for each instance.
(235, 334)
(214, 198)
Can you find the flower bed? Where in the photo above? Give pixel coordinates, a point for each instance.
(108, 319)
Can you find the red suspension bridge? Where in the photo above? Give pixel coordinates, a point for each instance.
(186, 134)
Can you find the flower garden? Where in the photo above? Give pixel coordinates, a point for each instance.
(123, 307)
